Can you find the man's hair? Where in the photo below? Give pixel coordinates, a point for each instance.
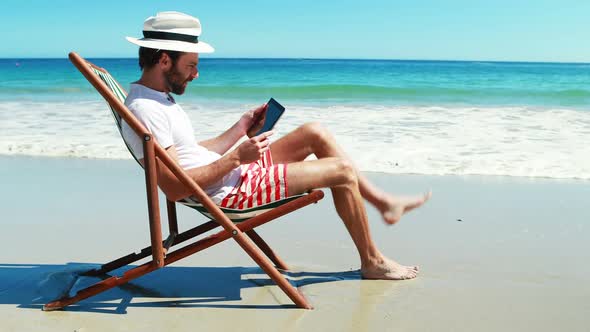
(149, 57)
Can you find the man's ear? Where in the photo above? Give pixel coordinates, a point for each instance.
(165, 61)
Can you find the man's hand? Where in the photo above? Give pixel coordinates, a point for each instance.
(252, 149)
(253, 120)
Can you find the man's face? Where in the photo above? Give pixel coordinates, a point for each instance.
(182, 71)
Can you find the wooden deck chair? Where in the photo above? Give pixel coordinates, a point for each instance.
(155, 155)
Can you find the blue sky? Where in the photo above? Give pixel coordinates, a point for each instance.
(369, 29)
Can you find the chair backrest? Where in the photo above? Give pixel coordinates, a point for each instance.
(120, 93)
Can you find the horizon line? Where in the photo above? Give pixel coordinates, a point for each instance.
(319, 58)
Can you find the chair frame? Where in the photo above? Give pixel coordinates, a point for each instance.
(243, 233)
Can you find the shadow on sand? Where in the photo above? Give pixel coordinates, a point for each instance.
(30, 286)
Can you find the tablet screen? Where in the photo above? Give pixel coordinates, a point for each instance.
(273, 113)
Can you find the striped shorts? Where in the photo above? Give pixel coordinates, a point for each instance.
(261, 182)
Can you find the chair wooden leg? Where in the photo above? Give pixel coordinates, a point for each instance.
(101, 286)
(267, 250)
(257, 255)
(151, 186)
(172, 219)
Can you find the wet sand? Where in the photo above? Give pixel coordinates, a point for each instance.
(496, 253)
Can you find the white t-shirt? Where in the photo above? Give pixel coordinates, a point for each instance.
(170, 125)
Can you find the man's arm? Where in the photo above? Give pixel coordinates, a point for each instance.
(222, 143)
(249, 151)
(204, 176)
(249, 124)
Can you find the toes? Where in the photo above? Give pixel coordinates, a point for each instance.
(419, 202)
(391, 271)
(412, 272)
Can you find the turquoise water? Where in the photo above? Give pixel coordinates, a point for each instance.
(425, 117)
(327, 81)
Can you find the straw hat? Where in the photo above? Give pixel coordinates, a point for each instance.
(172, 31)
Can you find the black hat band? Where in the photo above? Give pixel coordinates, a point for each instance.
(171, 36)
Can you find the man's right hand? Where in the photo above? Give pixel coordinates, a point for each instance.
(252, 149)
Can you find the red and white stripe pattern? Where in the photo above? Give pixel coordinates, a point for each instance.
(261, 183)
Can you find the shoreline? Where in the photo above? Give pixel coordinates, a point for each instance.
(217, 100)
(378, 173)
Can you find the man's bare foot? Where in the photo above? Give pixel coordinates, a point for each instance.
(389, 270)
(395, 207)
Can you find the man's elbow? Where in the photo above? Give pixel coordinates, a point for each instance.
(174, 193)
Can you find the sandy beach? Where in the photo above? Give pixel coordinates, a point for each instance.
(496, 253)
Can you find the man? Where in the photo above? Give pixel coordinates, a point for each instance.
(257, 171)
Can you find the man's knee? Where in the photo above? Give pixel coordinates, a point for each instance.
(346, 171)
(315, 132)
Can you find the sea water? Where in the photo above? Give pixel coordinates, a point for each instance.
(423, 117)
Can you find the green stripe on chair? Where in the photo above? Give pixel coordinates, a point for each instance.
(238, 215)
(115, 88)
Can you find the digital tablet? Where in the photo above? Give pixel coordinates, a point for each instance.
(274, 111)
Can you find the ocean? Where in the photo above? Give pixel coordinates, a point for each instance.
(411, 117)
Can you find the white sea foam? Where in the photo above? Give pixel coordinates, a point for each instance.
(516, 141)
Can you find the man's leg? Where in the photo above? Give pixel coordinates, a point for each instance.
(340, 176)
(311, 138)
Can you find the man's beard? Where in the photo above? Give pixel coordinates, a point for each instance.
(176, 81)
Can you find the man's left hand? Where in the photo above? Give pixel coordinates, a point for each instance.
(253, 120)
